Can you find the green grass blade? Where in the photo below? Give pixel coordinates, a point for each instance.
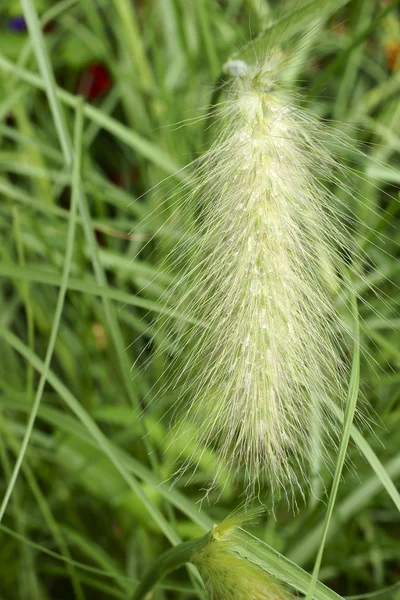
(373, 460)
(47, 514)
(350, 507)
(130, 30)
(124, 580)
(59, 307)
(69, 426)
(69, 561)
(40, 275)
(348, 421)
(48, 78)
(142, 146)
(284, 569)
(102, 442)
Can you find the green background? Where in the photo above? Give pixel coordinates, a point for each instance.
(89, 510)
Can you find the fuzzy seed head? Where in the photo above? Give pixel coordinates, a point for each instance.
(228, 576)
(262, 361)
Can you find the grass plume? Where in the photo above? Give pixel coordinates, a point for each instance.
(229, 576)
(262, 361)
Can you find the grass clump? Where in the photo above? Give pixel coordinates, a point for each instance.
(73, 526)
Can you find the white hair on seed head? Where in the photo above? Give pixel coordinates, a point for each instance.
(260, 363)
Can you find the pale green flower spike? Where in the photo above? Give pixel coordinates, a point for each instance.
(260, 363)
(226, 575)
(229, 576)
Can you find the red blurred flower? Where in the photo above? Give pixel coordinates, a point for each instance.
(94, 82)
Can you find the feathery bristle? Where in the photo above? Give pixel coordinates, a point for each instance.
(261, 361)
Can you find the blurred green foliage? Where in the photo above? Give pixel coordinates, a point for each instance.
(91, 488)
